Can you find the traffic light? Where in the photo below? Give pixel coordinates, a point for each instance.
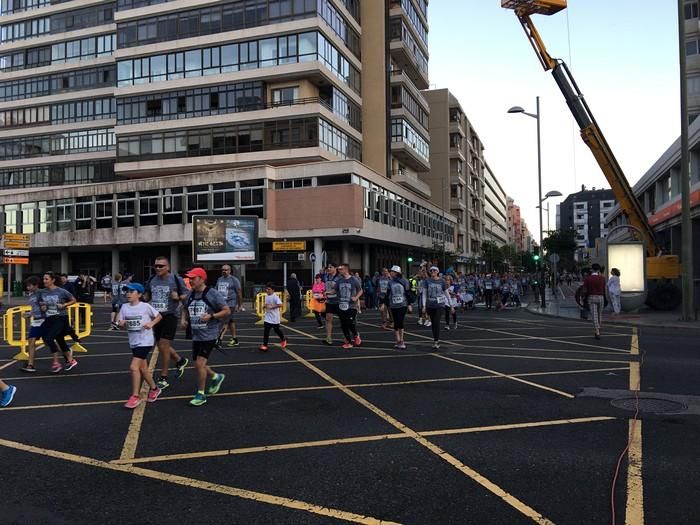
(410, 259)
(536, 253)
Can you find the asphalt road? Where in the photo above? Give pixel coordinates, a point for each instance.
(491, 429)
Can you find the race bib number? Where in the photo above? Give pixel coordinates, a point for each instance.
(159, 306)
(441, 300)
(134, 323)
(223, 289)
(488, 286)
(196, 311)
(396, 299)
(318, 296)
(344, 306)
(51, 309)
(37, 322)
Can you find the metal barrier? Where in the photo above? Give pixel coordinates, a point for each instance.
(260, 306)
(16, 321)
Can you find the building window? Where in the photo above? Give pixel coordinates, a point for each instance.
(691, 10)
(286, 95)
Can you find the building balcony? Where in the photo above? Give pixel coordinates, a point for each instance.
(457, 204)
(411, 181)
(408, 154)
(408, 56)
(456, 127)
(399, 76)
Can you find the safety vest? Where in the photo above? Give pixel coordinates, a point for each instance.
(412, 281)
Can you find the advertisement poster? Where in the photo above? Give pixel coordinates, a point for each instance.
(225, 238)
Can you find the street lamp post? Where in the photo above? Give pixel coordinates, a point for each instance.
(536, 116)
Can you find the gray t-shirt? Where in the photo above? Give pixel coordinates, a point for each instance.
(383, 286)
(196, 307)
(332, 289)
(136, 316)
(347, 288)
(229, 287)
(397, 293)
(435, 291)
(161, 290)
(52, 298)
(37, 314)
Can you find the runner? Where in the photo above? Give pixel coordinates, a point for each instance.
(488, 291)
(53, 303)
(106, 284)
(318, 302)
(165, 291)
(349, 292)
(139, 319)
(435, 298)
(36, 330)
(331, 295)
(273, 305)
(398, 288)
(451, 306)
(229, 286)
(116, 300)
(206, 309)
(8, 393)
(382, 290)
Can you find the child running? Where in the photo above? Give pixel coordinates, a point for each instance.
(272, 319)
(139, 319)
(36, 330)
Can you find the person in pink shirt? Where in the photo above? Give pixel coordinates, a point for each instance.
(318, 305)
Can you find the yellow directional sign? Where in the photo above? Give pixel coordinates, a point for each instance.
(16, 244)
(289, 246)
(16, 237)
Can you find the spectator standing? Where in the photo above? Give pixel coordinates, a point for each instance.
(614, 290)
(594, 290)
(294, 291)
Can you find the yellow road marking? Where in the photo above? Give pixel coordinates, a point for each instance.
(358, 439)
(442, 454)
(634, 344)
(300, 332)
(635, 488)
(131, 440)
(510, 356)
(313, 388)
(635, 378)
(8, 364)
(506, 376)
(199, 484)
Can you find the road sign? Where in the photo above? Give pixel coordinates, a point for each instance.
(285, 257)
(312, 257)
(16, 244)
(289, 246)
(301, 256)
(16, 237)
(554, 258)
(15, 260)
(15, 253)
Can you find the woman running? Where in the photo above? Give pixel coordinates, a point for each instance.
(398, 286)
(54, 301)
(435, 299)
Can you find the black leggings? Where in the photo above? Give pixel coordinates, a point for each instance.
(488, 298)
(435, 315)
(54, 333)
(347, 323)
(318, 318)
(447, 316)
(399, 315)
(266, 332)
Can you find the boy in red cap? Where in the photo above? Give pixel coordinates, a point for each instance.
(205, 309)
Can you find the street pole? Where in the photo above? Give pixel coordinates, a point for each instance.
(686, 223)
(539, 186)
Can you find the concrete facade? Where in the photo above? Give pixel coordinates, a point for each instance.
(586, 212)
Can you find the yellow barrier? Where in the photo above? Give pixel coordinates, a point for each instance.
(307, 301)
(260, 306)
(79, 317)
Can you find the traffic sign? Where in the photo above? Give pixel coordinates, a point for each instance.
(289, 246)
(15, 253)
(312, 257)
(16, 237)
(15, 260)
(16, 244)
(554, 258)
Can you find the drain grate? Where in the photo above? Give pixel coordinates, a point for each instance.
(649, 404)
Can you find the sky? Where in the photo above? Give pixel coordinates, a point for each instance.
(623, 55)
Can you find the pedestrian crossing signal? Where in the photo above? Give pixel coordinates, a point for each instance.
(536, 254)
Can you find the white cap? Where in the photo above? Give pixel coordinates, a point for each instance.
(434, 268)
(396, 269)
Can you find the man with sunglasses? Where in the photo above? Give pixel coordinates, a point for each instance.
(165, 291)
(332, 300)
(229, 286)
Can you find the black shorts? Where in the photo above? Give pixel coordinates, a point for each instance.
(116, 307)
(202, 349)
(384, 300)
(332, 308)
(166, 328)
(141, 352)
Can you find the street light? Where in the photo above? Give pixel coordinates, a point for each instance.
(553, 193)
(536, 116)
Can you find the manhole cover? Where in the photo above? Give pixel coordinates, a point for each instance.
(647, 404)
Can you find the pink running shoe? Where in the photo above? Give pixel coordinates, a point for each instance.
(357, 341)
(153, 394)
(346, 345)
(262, 348)
(133, 402)
(283, 344)
(71, 364)
(56, 368)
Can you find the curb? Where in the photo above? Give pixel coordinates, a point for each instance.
(675, 325)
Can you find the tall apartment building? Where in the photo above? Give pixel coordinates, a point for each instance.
(458, 170)
(692, 51)
(586, 213)
(515, 237)
(495, 209)
(104, 98)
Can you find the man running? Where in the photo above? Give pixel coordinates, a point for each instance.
(229, 287)
(205, 310)
(382, 292)
(165, 291)
(349, 293)
(331, 295)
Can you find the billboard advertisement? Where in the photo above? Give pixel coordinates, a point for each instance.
(224, 239)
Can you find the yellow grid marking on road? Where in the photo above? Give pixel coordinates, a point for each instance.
(360, 439)
(324, 387)
(634, 344)
(200, 484)
(634, 509)
(131, 440)
(507, 376)
(291, 328)
(442, 454)
(541, 358)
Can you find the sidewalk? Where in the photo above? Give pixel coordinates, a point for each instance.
(558, 305)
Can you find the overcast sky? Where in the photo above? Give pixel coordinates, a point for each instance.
(623, 55)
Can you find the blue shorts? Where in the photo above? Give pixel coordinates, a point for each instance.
(36, 332)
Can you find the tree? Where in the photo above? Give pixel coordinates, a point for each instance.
(563, 243)
(510, 254)
(492, 254)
